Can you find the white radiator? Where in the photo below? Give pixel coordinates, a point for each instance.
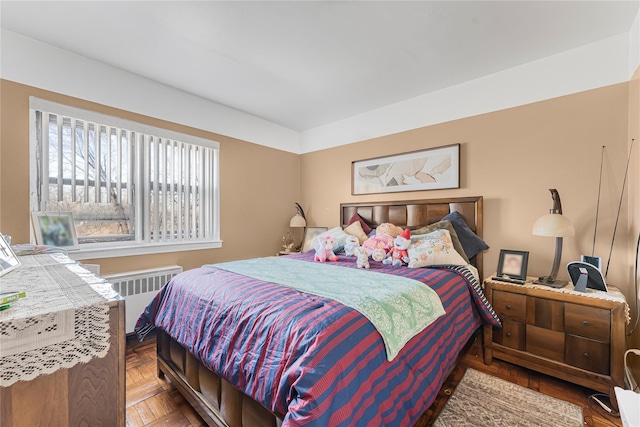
(139, 287)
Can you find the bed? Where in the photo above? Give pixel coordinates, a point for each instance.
(242, 357)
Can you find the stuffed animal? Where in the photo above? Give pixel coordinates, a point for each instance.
(325, 249)
(398, 254)
(378, 255)
(383, 239)
(350, 245)
(362, 258)
(388, 228)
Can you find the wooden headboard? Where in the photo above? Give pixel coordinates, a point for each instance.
(418, 213)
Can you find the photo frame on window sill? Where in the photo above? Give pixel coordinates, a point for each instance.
(55, 229)
(513, 264)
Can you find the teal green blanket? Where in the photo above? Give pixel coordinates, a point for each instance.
(398, 307)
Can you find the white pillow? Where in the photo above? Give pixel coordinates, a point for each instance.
(435, 248)
(337, 233)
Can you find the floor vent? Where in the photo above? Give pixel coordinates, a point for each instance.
(139, 287)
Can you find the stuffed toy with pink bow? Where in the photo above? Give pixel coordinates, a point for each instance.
(324, 250)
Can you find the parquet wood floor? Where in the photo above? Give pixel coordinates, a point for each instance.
(153, 402)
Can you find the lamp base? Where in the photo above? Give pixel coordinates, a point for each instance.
(551, 282)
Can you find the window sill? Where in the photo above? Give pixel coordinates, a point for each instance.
(103, 251)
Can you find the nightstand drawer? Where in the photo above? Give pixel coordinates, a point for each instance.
(510, 306)
(512, 334)
(587, 354)
(588, 322)
(545, 343)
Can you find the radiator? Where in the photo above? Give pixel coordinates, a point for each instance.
(139, 287)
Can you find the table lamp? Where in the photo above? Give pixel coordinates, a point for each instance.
(298, 220)
(554, 224)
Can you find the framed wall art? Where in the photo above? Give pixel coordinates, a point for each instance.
(55, 229)
(431, 169)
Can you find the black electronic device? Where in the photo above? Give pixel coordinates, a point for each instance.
(584, 275)
(596, 261)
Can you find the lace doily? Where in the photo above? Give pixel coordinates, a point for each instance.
(63, 321)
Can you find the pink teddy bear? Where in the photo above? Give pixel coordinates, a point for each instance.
(325, 250)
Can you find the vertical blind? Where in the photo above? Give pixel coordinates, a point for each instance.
(124, 181)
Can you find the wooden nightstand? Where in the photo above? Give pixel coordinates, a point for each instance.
(575, 337)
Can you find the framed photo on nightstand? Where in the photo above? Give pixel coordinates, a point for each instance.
(310, 233)
(513, 264)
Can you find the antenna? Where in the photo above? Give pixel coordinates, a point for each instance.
(595, 228)
(615, 227)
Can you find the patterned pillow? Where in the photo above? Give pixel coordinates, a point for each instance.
(446, 225)
(337, 233)
(355, 229)
(435, 248)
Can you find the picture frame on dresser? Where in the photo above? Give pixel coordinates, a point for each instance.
(8, 260)
(513, 264)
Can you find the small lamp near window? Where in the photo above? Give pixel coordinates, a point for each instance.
(554, 224)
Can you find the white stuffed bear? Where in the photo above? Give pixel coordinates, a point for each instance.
(350, 245)
(362, 258)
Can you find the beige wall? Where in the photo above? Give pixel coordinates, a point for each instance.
(511, 157)
(258, 186)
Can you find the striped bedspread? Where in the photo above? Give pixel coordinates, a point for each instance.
(311, 359)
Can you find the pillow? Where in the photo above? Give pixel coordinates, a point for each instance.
(363, 223)
(435, 248)
(355, 229)
(471, 243)
(339, 236)
(443, 225)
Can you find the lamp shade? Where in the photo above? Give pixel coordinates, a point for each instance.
(553, 225)
(297, 221)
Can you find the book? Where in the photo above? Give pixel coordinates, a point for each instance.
(11, 296)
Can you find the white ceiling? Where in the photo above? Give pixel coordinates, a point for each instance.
(308, 63)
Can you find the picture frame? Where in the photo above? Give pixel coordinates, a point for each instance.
(55, 229)
(513, 264)
(8, 260)
(430, 169)
(310, 233)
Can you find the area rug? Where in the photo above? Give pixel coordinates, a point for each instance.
(484, 400)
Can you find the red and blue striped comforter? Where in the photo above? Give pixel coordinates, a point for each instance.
(312, 359)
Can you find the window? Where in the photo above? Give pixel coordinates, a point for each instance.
(129, 186)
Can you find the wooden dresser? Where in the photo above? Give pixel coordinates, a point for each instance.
(87, 394)
(577, 338)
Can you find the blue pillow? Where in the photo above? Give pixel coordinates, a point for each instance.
(471, 243)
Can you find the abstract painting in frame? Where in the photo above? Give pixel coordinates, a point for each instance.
(55, 229)
(431, 169)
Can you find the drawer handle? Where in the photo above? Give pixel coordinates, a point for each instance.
(508, 334)
(585, 323)
(585, 355)
(508, 307)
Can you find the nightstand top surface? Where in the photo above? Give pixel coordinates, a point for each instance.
(614, 294)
